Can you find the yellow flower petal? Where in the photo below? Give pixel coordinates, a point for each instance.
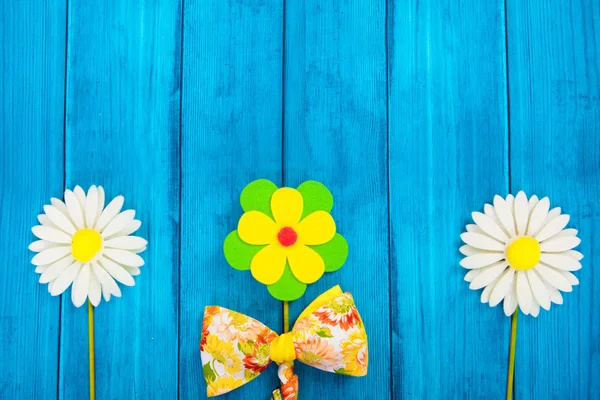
(306, 264)
(268, 264)
(286, 206)
(256, 228)
(316, 228)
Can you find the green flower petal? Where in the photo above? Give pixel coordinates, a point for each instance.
(238, 253)
(256, 196)
(316, 197)
(334, 252)
(287, 288)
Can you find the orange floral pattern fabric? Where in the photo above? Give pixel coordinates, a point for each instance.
(236, 348)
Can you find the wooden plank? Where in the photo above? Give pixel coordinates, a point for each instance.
(554, 80)
(123, 108)
(448, 156)
(231, 136)
(31, 171)
(336, 133)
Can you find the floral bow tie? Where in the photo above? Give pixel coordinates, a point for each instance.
(328, 335)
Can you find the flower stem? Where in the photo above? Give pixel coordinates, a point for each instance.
(286, 317)
(511, 356)
(91, 350)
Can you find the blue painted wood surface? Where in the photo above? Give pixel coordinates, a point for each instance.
(414, 113)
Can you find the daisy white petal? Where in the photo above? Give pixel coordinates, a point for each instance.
(538, 215)
(505, 215)
(45, 221)
(510, 304)
(51, 255)
(126, 243)
(79, 291)
(91, 208)
(490, 227)
(53, 235)
(468, 250)
(538, 288)
(560, 261)
(523, 291)
(472, 274)
(553, 227)
(95, 290)
(554, 278)
(570, 277)
(510, 201)
(131, 228)
(475, 229)
(65, 279)
(560, 244)
(482, 242)
(124, 257)
(534, 309)
(41, 268)
(118, 223)
(502, 287)
(139, 250)
(109, 286)
(133, 271)
(50, 286)
(41, 245)
(488, 275)
(60, 206)
(555, 212)
(481, 260)
(74, 208)
(554, 294)
(574, 254)
(56, 269)
(487, 291)
(59, 219)
(117, 271)
(564, 233)
(112, 209)
(80, 194)
(521, 212)
(533, 200)
(100, 203)
(488, 210)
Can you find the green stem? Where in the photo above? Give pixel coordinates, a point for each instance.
(286, 317)
(511, 357)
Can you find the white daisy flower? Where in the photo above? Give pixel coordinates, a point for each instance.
(87, 245)
(519, 251)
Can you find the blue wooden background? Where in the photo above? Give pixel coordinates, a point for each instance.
(413, 112)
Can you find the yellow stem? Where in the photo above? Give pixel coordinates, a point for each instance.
(91, 349)
(286, 317)
(511, 356)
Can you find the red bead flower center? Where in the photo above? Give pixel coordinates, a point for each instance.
(287, 236)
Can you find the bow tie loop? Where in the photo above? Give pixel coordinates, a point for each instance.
(328, 335)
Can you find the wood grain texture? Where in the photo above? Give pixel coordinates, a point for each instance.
(336, 133)
(414, 113)
(231, 135)
(448, 156)
(554, 80)
(123, 76)
(32, 68)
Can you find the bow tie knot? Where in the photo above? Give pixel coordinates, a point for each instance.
(329, 335)
(282, 349)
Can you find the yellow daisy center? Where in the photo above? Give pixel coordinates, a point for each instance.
(86, 244)
(524, 253)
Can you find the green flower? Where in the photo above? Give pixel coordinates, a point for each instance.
(286, 237)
